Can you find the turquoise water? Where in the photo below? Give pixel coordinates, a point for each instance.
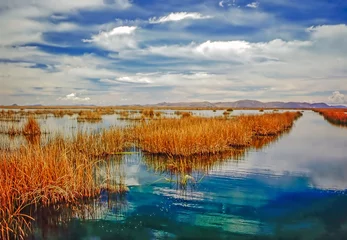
(295, 188)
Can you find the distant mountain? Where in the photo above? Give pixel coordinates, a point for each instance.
(185, 104)
(248, 104)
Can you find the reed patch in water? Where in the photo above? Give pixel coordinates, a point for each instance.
(195, 135)
(334, 116)
(61, 171)
(89, 116)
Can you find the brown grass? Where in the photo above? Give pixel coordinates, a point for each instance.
(334, 116)
(148, 113)
(60, 171)
(194, 135)
(31, 127)
(89, 116)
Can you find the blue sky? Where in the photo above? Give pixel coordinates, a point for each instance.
(112, 52)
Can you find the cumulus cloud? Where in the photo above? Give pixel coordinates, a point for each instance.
(337, 97)
(73, 97)
(178, 16)
(253, 5)
(116, 39)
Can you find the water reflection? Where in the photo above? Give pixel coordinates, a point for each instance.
(292, 187)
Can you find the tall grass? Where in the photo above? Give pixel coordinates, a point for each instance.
(334, 116)
(194, 135)
(62, 171)
(31, 127)
(89, 116)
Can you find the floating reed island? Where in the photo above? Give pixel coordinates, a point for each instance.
(334, 116)
(195, 135)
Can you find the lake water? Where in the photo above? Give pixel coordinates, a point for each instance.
(294, 188)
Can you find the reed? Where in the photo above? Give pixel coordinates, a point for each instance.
(89, 116)
(31, 127)
(194, 135)
(148, 113)
(158, 114)
(334, 116)
(61, 171)
(186, 114)
(270, 124)
(124, 114)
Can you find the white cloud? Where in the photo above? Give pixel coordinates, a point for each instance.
(117, 39)
(178, 16)
(241, 51)
(244, 17)
(253, 5)
(337, 97)
(53, 6)
(74, 97)
(139, 78)
(227, 3)
(25, 21)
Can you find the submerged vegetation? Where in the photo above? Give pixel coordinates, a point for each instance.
(334, 116)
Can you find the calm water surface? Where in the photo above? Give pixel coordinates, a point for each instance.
(295, 188)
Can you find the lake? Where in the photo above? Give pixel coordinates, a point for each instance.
(293, 188)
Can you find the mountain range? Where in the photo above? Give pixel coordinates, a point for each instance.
(247, 104)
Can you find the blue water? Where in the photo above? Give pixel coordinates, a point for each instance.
(295, 188)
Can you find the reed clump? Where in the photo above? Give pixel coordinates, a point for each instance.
(195, 135)
(334, 116)
(148, 113)
(186, 114)
(31, 127)
(89, 116)
(61, 171)
(270, 124)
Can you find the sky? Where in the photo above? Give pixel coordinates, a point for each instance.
(116, 52)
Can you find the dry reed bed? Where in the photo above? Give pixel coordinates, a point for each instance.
(60, 171)
(194, 135)
(89, 116)
(334, 116)
(66, 170)
(31, 127)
